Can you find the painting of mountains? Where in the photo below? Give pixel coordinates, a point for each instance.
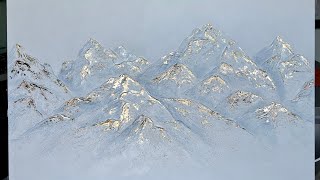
(206, 110)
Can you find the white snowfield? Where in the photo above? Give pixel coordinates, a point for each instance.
(204, 111)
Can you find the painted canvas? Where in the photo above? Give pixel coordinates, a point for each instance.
(172, 95)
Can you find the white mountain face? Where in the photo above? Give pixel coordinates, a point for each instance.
(95, 65)
(201, 48)
(197, 112)
(198, 52)
(34, 91)
(278, 49)
(304, 98)
(293, 75)
(173, 82)
(238, 103)
(274, 123)
(288, 69)
(209, 57)
(208, 124)
(245, 67)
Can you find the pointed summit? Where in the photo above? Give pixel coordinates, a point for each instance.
(204, 44)
(143, 122)
(285, 67)
(19, 54)
(34, 90)
(278, 39)
(19, 50)
(279, 50)
(173, 81)
(275, 112)
(121, 51)
(207, 27)
(125, 81)
(207, 31)
(210, 31)
(123, 54)
(91, 47)
(92, 42)
(178, 73)
(280, 43)
(122, 87)
(95, 64)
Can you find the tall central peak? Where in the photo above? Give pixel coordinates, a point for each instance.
(207, 27)
(279, 39)
(206, 31)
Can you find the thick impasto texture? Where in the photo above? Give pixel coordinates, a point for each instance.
(204, 111)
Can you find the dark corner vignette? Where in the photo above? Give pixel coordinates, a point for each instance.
(3, 92)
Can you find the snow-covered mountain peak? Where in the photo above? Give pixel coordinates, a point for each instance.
(232, 53)
(294, 66)
(288, 69)
(203, 39)
(211, 33)
(170, 58)
(95, 64)
(279, 50)
(125, 82)
(299, 59)
(19, 50)
(275, 112)
(94, 52)
(207, 100)
(110, 124)
(178, 73)
(19, 56)
(214, 84)
(128, 59)
(24, 67)
(207, 27)
(205, 32)
(201, 51)
(242, 97)
(34, 91)
(236, 60)
(123, 88)
(121, 51)
(91, 43)
(226, 68)
(280, 44)
(144, 122)
(19, 53)
(144, 131)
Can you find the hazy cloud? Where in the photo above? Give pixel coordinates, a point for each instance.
(54, 30)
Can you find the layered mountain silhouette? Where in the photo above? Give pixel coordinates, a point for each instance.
(205, 101)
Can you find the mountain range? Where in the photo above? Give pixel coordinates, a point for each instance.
(206, 104)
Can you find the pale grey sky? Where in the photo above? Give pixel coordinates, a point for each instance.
(55, 30)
